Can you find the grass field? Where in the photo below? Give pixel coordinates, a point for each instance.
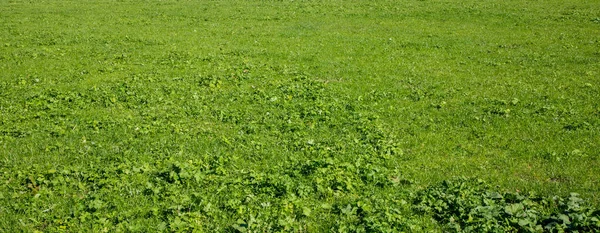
(299, 116)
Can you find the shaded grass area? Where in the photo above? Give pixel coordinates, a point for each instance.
(295, 116)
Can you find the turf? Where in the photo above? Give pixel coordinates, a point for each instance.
(289, 115)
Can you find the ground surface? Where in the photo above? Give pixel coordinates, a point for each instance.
(298, 115)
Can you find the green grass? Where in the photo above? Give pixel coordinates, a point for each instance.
(296, 115)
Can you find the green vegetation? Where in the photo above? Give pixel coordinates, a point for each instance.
(302, 116)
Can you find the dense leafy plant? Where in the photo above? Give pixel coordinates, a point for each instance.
(469, 205)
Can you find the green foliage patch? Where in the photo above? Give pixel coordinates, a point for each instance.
(468, 205)
(299, 116)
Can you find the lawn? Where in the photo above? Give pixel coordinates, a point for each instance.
(299, 116)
